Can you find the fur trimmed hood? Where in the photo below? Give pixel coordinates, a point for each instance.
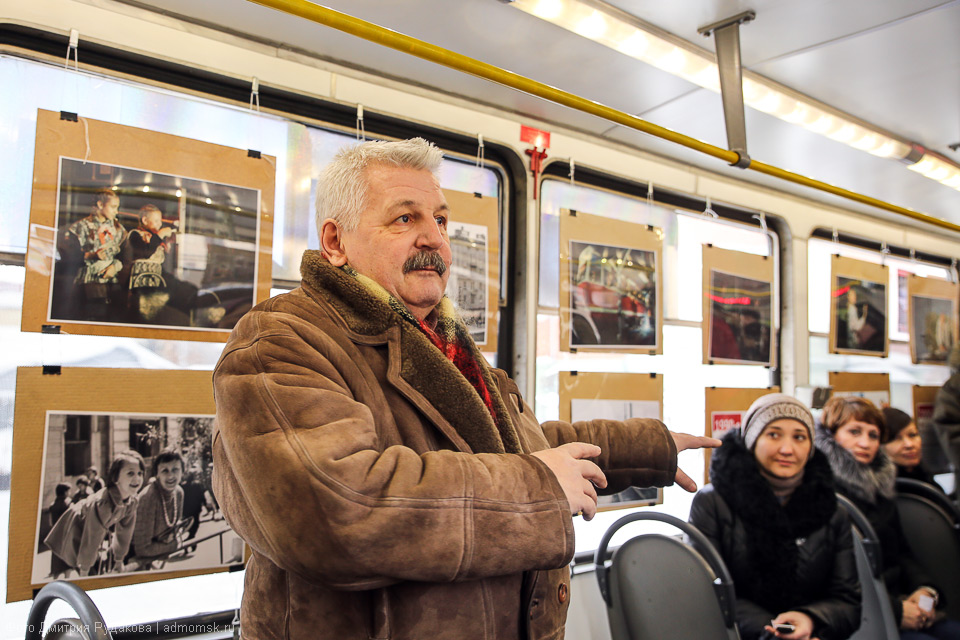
(367, 309)
(861, 481)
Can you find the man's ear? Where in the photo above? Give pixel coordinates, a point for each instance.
(331, 243)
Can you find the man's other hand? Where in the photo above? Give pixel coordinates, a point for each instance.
(686, 441)
(578, 477)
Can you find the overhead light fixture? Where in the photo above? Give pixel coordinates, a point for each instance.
(629, 35)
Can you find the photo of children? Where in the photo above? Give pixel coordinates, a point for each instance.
(142, 248)
(860, 315)
(468, 284)
(613, 296)
(154, 511)
(740, 318)
(933, 326)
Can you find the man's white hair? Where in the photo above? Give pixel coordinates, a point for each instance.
(342, 185)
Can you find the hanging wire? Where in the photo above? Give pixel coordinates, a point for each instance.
(255, 96)
(650, 193)
(708, 210)
(481, 152)
(72, 48)
(762, 218)
(361, 132)
(573, 170)
(953, 270)
(884, 252)
(836, 236)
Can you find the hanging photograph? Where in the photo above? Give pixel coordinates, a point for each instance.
(724, 409)
(875, 387)
(474, 284)
(738, 308)
(932, 305)
(614, 396)
(609, 285)
(172, 242)
(119, 494)
(858, 306)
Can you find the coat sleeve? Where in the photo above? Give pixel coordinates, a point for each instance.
(146, 527)
(93, 533)
(705, 516)
(837, 614)
(301, 476)
(124, 531)
(638, 452)
(946, 417)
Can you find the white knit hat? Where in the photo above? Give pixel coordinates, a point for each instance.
(768, 408)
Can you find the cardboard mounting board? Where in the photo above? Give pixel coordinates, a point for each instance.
(737, 285)
(873, 386)
(607, 395)
(724, 409)
(223, 213)
(474, 282)
(932, 318)
(40, 452)
(610, 285)
(863, 331)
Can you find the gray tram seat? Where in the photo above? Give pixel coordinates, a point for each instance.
(654, 581)
(876, 619)
(931, 525)
(90, 625)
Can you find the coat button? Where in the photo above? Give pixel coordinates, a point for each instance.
(562, 592)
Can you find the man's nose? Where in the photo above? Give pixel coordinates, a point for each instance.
(429, 234)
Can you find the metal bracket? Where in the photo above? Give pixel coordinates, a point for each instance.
(726, 34)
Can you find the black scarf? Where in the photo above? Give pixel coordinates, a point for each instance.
(773, 531)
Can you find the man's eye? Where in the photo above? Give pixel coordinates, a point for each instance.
(404, 218)
(441, 221)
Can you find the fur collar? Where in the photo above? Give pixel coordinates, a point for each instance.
(861, 481)
(369, 310)
(773, 531)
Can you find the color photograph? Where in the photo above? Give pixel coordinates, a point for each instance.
(860, 308)
(128, 493)
(740, 318)
(613, 296)
(143, 248)
(933, 326)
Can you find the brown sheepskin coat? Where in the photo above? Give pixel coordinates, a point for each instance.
(343, 457)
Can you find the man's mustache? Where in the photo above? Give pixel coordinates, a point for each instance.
(425, 260)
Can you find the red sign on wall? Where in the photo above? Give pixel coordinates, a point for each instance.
(723, 421)
(539, 139)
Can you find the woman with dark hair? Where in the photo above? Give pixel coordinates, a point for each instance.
(159, 510)
(850, 435)
(771, 512)
(76, 537)
(904, 446)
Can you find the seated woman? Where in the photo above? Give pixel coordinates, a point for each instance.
(850, 435)
(76, 537)
(904, 446)
(159, 511)
(771, 512)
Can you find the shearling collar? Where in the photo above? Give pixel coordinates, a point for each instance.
(369, 310)
(862, 481)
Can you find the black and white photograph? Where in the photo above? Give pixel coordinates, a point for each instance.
(143, 248)
(126, 493)
(469, 276)
(613, 296)
(860, 315)
(740, 323)
(932, 327)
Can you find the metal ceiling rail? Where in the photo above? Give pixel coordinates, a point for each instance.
(421, 49)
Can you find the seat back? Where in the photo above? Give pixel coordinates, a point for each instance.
(931, 525)
(654, 583)
(876, 618)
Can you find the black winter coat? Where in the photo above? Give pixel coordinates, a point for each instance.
(795, 557)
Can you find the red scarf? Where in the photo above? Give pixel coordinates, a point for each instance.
(462, 359)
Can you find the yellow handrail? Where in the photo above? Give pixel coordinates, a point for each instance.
(420, 49)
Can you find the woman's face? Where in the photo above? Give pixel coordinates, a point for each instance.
(783, 448)
(905, 449)
(168, 474)
(861, 439)
(130, 479)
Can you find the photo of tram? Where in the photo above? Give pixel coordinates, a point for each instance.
(388, 456)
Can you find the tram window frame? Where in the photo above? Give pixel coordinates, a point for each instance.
(144, 603)
(903, 373)
(681, 362)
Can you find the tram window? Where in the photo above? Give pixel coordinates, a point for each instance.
(684, 375)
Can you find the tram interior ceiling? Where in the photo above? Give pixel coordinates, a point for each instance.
(835, 136)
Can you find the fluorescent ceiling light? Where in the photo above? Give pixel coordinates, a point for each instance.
(618, 30)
